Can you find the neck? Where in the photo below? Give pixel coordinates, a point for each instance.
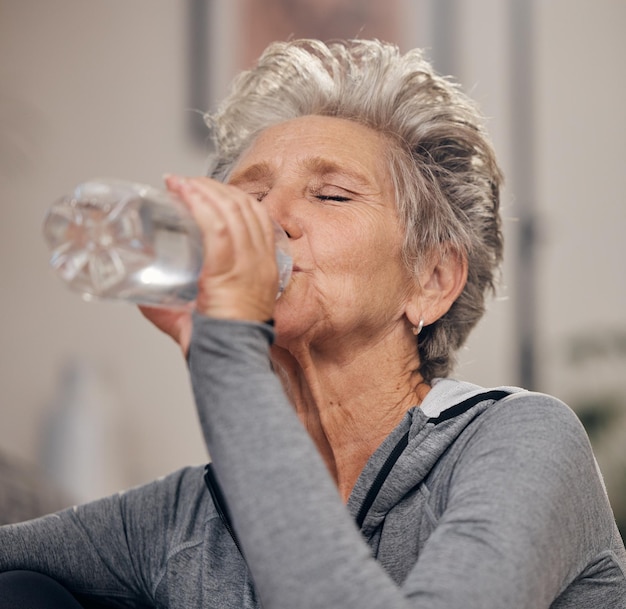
(350, 403)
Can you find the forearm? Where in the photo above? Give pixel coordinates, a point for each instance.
(301, 544)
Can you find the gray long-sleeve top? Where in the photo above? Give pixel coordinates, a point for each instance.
(487, 502)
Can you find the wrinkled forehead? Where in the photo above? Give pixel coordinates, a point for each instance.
(318, 145)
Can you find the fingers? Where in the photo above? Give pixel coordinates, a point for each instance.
(239, 276)
(245, 217)
(219, 207)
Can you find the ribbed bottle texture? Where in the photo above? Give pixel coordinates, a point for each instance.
(119, 240)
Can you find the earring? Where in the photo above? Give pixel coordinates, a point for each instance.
(417, 329)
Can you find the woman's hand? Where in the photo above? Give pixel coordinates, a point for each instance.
(239, 278)
(174, 322)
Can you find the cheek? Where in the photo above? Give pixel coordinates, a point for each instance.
(351, 243)
(354, 252)
(370, 274)
(375, 257)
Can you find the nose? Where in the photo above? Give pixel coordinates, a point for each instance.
(282, 207)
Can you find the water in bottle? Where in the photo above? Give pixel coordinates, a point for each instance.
(112, 239)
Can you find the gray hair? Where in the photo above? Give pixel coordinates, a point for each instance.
(445, 173)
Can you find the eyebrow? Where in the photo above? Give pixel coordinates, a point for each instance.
(316, 165)
(254, 173)
(324, 167)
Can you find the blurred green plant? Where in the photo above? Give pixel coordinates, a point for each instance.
(603, 412)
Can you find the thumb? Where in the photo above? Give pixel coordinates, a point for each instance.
(176, 323)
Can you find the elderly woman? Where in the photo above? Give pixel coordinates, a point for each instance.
(347, 469)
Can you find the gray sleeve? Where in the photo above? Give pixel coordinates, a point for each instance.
(301, 545)
(113, 549)
(507, 538)
(525, 511)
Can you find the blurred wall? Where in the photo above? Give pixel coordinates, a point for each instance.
(88, 89)
(102, 89)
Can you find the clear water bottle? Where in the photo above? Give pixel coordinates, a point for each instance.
(112, 239)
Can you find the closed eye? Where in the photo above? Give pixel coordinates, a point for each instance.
(259, 196)
(332, 198)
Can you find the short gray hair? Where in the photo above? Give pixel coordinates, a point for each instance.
(445, 173)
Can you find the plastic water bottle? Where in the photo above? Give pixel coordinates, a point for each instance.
(112, 239)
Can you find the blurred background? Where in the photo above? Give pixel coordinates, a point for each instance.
(94, 400)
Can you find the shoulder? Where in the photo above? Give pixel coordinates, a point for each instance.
(506, 414)
(187, 480)
(506, 423)
(530, 453)
(532, 428)
(533, 446)
(534, 418)
(179, 496)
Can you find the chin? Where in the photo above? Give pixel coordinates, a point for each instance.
(288, 327)
(292, 318)
(283, 328)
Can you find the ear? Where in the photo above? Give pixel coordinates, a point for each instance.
(439, 284)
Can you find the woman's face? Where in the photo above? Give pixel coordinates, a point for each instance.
(326, 181)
